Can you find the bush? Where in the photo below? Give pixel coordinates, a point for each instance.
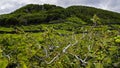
(32, 19)
(12, 21)
(76, 20)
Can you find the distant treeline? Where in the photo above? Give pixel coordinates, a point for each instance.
(36, 14)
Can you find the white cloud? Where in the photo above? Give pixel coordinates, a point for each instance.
(7, 6)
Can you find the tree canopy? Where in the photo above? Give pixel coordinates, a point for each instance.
(36, 14)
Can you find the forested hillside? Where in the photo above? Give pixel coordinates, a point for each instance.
(36, 14)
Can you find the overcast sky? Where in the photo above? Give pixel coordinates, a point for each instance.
(7, 6)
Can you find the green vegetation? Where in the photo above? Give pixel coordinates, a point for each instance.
(49, 36)
(36, 14)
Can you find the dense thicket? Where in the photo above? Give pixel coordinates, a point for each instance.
(35, 14)
(78, 40)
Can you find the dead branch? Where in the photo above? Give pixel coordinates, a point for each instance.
(64, 50)
(83, 61)
(52, 59)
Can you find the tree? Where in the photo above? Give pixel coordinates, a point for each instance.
(11, 21)
(96, 19)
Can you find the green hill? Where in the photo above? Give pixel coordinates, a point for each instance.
(36, 14)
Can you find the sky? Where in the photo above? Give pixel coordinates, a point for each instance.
(7, 6)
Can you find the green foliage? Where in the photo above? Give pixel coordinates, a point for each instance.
(96, 19)
(86, 13)
(71, 44)
(99, 65)
(3, 63)
(33, 8)
(76, 20)
(11, 21)
(117, 39)
(33, 13)
(32, 19)
(93, 47)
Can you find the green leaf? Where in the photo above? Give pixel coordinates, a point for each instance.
(1, 50)
(99, 65)
(113, 48)
(117, 40)
(3, 63)
(89, 65)
(23, 65)
(108, 60)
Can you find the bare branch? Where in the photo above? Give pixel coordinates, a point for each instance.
(83, 61)
(46, 52)
(52, 59)
(64, 50)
